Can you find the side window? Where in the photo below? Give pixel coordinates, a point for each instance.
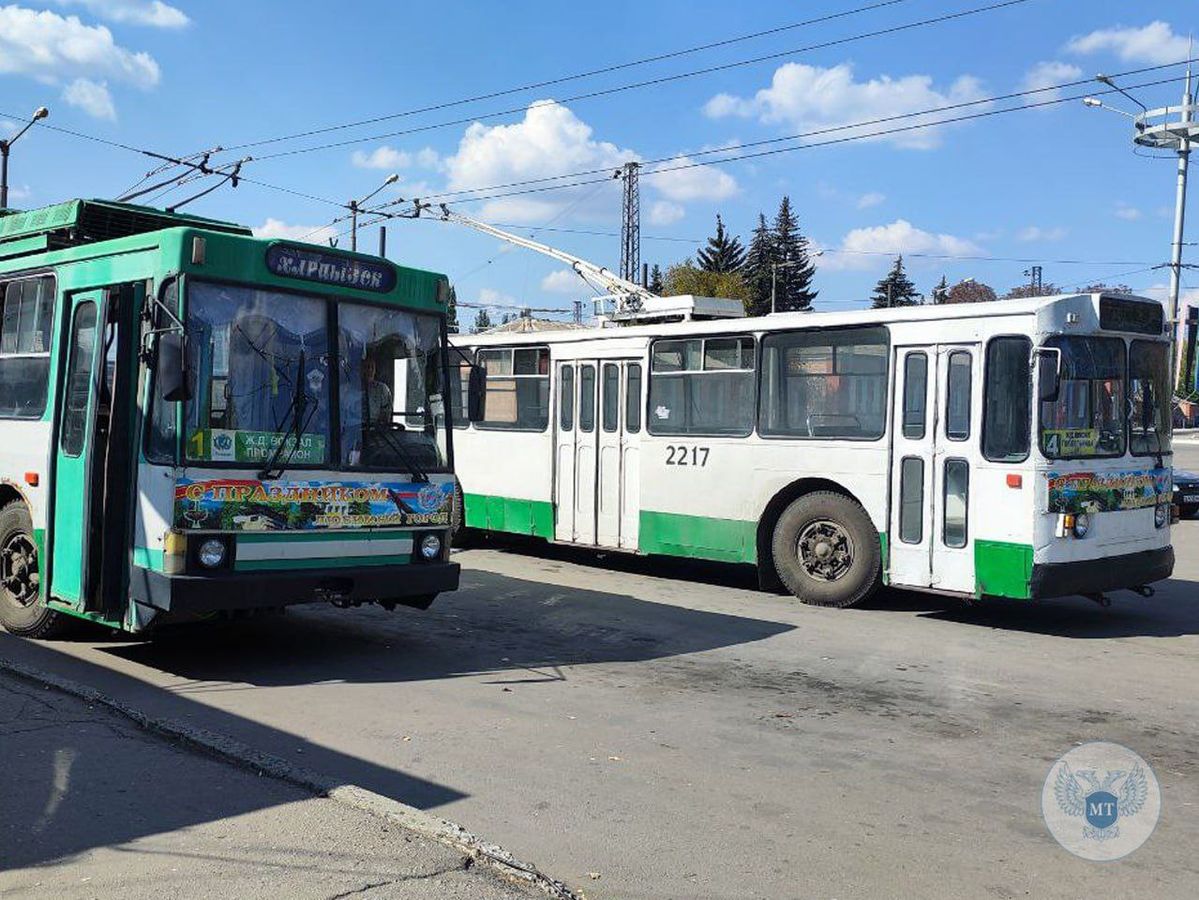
(632, 400)
(459, 386)
(611, 397)
(957, 396)
(702, 386)
(518, 388)
(911, 500)
(26, 329)
(566, 397)
(915, 394)
(587, 398)
(825, 384)
(957, 502)
(79, 379)
(1007, 400)
(164, 416)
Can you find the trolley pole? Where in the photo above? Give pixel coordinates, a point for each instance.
(5, 145)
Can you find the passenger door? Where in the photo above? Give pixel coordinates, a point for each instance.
(934, 451)
(618, 477)
(74, 490)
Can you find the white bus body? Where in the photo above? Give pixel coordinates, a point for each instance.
(841, 450)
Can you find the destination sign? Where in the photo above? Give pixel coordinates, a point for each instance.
(326, 268)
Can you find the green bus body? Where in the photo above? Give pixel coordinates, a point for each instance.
(112, 543)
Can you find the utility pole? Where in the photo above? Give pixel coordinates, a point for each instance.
(630, 225)
(1034, 280)
(354, 206)
(1165, 128)
(5, 145)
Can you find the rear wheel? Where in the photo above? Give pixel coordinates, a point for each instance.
(21, 609)
(1187, 512)
(826, 550)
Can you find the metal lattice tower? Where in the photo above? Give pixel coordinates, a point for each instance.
(630, 226)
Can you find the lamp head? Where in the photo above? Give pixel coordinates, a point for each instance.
(1093, 102)
(1104, 79)
(40, 113)
(392, 179)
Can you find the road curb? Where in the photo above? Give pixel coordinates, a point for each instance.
(226, 748)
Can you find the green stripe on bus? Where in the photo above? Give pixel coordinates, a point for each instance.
(145, 558)
(304, 537)
(532, 517)
(698, 537)
(1002, 569)
(334, 562)
(882, 540)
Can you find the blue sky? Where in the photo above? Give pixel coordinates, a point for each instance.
(1055, 184)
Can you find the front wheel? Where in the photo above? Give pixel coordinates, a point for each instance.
(826, 550)
(21, 609)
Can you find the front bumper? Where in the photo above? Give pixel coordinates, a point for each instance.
(1096, 576)
(410, 585)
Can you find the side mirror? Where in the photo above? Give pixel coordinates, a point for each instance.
(1049, 371)
(172, 373)
(476, 393)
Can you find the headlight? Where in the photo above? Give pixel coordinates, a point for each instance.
(1082, 524)
(1161, 515)
(430, 546)
(211, 554)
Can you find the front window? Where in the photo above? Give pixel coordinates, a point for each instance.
(1149, 397)
(259, 360)
(1086, 420)
(390, 381)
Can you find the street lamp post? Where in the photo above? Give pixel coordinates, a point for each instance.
(356, 205)
(40, 113)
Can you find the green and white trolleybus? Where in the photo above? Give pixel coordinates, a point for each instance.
(193, 420)
(1015, 449)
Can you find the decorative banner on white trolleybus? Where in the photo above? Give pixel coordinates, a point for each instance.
(1076, 492)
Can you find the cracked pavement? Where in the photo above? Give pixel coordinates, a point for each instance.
(93, 806)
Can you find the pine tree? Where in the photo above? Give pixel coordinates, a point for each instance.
(795, 270)
(482, 321)
(655, 280)
(723, 253)
(756, 270)
(451, 312)
(896, 289)
(941, 290)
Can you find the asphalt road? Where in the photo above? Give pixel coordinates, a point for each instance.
(646, 728)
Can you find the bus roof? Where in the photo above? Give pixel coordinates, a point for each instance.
(787, 320)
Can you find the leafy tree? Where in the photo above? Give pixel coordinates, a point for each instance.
(1021, 291)
(896, 289)
(452, 311)
(970, 291)
(795, 267)
(655, 280)
(688, 278)
(1101, 288)
(941, 290)
(723, 253)
(756, 270)
(482, 321)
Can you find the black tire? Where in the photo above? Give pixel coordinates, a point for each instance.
(1187, 512)
(460, 536)
(841, 563)
(21, 612)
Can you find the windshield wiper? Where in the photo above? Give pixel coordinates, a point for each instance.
(418, 473)
(296, 427)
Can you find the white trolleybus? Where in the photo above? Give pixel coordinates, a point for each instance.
(1014, 449)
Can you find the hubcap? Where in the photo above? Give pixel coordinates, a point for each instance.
(18, 569)
(825, 550)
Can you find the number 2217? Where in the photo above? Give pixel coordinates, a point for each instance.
(686, 456)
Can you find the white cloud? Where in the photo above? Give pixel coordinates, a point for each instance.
(1161, 293)
(1045, 75)
(382, 158)
(1154, 44)
(564, 281)
(812, 98)
(134, 12)
(1039, 233)
(550, 140)
(1127, 213)
(862, 247)
(428, 158)
(92, 97)
(54, 49)
(871, 199)
(313, 234)
(686, 181)
(492, 298)
(663, 213)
